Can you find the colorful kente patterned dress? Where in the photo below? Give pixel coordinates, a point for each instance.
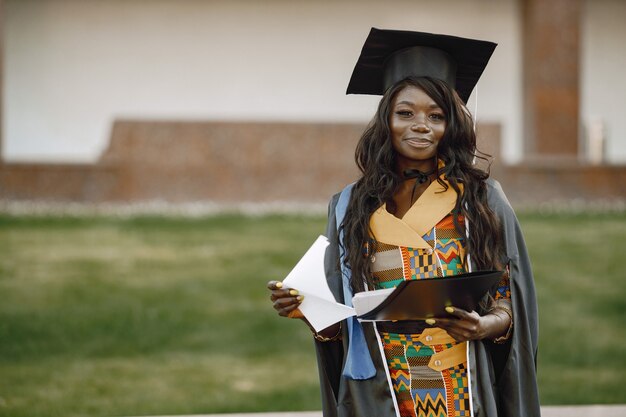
(428, 369)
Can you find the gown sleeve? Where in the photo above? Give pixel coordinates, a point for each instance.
(330, 354)
(515, 362)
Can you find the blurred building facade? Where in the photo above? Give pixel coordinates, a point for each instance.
(244, 101)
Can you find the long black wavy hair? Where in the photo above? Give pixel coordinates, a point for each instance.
(379, 181)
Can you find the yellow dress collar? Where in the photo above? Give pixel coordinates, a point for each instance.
(433, 205)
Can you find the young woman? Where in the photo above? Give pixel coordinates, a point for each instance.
(422, 209)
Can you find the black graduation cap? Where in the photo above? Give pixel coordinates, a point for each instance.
(389, 56)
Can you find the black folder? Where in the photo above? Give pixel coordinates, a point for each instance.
(426, 298)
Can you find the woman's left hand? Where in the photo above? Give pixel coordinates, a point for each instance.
(467, 325)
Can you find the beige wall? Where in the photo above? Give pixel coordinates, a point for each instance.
(603, 72)
(73, 66)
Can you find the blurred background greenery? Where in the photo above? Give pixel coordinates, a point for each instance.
(107, 316)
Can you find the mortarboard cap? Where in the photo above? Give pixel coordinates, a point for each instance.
(389, 56)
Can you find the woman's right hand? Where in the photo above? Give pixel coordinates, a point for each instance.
(286, 301)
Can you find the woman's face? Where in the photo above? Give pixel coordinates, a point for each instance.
(417, 125)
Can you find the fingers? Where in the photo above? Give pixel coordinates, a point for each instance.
(288, 307)
(274, 285)
(285, 293)
(462, 314)
(285, 300)
(462, 325)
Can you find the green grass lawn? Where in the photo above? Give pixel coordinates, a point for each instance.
(146, 316)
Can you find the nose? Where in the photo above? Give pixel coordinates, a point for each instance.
(420, 127)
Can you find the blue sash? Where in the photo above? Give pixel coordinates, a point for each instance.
(359, 363)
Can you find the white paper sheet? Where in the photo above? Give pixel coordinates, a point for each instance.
(366, 301)
(308, 277)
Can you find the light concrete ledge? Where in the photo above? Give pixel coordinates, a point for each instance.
(584, 411)
(546, 411)
(271, 414)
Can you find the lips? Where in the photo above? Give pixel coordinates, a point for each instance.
(419, 142)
